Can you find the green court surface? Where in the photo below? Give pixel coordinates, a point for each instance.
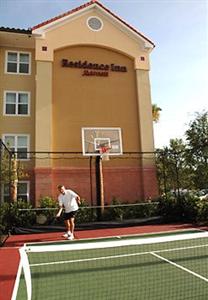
(150, 268)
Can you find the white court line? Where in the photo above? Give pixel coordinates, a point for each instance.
(179, 266)
(111, 244)
(17, 280)
(115, 256)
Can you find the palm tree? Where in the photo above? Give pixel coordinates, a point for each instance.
(156, 113)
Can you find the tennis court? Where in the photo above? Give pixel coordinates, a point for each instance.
(165, 266)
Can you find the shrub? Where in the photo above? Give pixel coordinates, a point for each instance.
(178, 208)
(47, 216)
(119, 212)
(142, 210)
(188, 203)
(85, 213)
(12, 216)
(113, 213)
(202, 213)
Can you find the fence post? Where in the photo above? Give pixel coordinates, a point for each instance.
(164, 175)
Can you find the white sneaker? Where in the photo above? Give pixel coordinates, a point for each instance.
(71, 237)
(67, 234)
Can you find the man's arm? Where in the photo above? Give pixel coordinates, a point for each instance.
(78, 200)
(59, 212)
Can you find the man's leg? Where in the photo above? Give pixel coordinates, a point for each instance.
(68, 225)
(72, 225)
(68, 228)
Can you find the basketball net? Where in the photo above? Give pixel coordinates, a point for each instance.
(104, 152)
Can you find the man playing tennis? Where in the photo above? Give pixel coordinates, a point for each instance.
(68, 200)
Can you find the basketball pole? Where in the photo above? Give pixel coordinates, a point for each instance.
(99, 187)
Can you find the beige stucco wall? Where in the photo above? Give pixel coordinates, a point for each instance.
(43, 121)
(145, 111)
(93, 101)
(16, 82)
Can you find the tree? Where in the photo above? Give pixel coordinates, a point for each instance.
(197, 149)
(172, 168)
(184, 165)
(11, 170)
(156, 113)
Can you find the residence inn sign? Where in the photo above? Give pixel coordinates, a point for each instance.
(93, 69)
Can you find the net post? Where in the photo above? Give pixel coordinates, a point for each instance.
(26, 271)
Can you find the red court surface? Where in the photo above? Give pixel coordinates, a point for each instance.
(9, 254)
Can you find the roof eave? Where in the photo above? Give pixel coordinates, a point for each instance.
(41, 28)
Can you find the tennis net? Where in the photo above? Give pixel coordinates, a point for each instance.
(165, 267)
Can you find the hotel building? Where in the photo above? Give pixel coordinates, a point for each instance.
(86, 68)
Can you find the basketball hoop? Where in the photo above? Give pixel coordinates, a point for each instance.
(104, 152)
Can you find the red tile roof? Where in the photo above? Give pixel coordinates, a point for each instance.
(70, 12)
(16, 30)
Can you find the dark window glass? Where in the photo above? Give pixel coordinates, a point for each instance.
(10, 109)
(12, 67)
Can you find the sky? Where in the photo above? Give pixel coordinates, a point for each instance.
(179, 62)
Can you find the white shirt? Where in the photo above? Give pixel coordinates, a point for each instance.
(68, 200)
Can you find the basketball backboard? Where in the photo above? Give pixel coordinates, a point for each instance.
(97, 140)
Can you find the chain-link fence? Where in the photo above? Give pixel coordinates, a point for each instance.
(146, 174)
(130, 177)
(134, 174)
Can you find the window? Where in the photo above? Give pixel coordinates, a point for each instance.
(95, 23)
(17, 143)
(23, 188)
(16, 103)
(18, 62)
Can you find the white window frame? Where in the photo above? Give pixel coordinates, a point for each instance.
(16, 135)
(18, 62)
(28, 188)
(20, 181)
(16, 104)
